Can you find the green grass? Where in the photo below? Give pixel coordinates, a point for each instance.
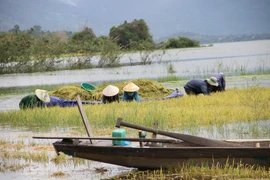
(205, 172)
(171, 78)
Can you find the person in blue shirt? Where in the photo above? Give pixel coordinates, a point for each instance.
(131, 92)
(221, 82)
(110, 94)
(200, 86)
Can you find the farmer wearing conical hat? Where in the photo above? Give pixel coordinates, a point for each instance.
(199, 86)
(131, 92)
(110, 94)
(35, 100)
(41, 98)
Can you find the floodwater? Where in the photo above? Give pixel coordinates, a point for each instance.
(230, 58)
(89, 169)
(43, 171)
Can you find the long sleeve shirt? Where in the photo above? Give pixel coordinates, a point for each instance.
(108, 99)
(135, 96)
(221, 81)
(197, 86)
(30, 101)
(56, 101)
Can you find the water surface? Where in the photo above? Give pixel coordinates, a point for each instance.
(230, 58)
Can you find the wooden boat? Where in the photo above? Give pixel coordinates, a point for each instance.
(173, 151)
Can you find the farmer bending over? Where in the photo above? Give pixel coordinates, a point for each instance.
(131, 92)
(199, 86)
(110, 94)
(221, 82)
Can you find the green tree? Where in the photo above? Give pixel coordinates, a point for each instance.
(82, 41)
(36, 31)
(128, 35)
(46, 49)
(15, 48)
(16, 29)
(110, 52)
(181, 42)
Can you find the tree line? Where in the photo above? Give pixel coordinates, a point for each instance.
(35, 50)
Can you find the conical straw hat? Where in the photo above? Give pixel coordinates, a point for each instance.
(131, 87)
(43, 95)
(110, 90)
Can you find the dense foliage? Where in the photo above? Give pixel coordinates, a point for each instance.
(35, 50)
(132, 35)
(181, 42)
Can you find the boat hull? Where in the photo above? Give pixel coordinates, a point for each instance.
(165, 157)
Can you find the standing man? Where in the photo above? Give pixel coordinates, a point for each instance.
(221, 82)
(199, 86)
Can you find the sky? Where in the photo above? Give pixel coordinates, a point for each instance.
(163, 17)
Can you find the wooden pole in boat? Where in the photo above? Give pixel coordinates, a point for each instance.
(154, 135)
(188, 138)
(85, 119)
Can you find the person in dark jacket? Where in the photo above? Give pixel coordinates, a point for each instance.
(199, 86)
(131, 92)
(41, 99)
(221, 82)
(110, 94)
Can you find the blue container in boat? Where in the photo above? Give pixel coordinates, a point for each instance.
(119, 133)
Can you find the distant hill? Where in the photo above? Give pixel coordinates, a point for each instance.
(164, 17)
(209, 39)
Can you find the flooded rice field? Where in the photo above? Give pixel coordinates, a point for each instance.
(19, 149)
(25, 158)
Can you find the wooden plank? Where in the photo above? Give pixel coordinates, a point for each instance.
(247, 140)
(184, 137)
(113, 138)
(154, 135)
(85, 119)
